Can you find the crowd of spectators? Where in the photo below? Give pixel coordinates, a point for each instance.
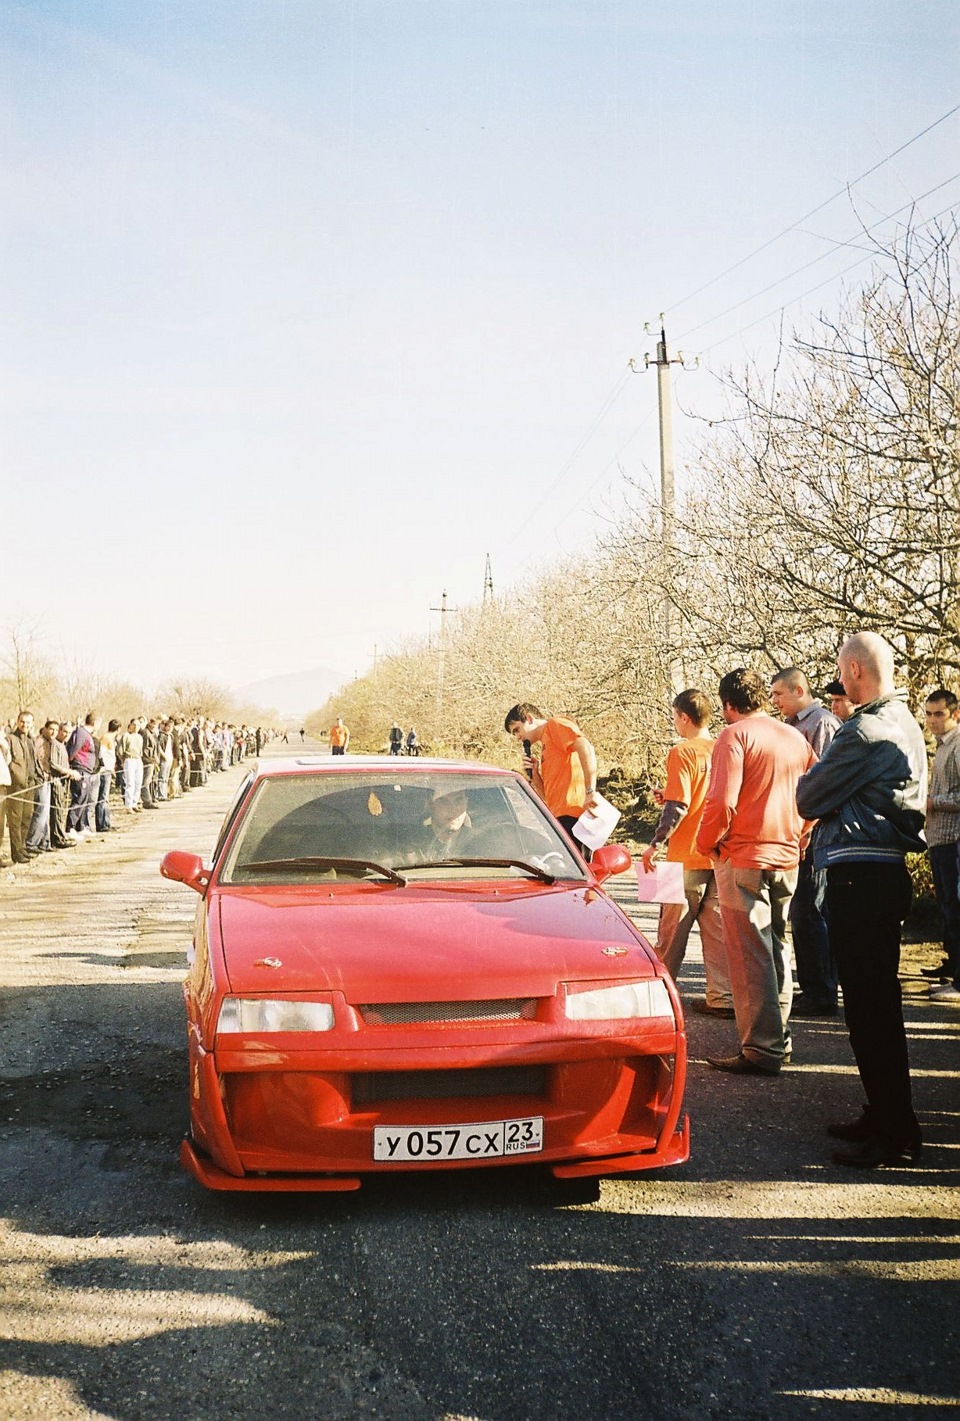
(808, 820)
(61, 781)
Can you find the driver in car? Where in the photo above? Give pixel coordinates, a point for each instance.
(448, 827)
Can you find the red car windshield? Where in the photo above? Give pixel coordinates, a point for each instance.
(418, 825)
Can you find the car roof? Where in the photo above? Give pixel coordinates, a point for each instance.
(376, 764)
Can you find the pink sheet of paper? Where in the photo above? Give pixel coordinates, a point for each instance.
(663, 885)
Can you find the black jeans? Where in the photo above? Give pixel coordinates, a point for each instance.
(946, 877)
(816, 969)
(867, 903)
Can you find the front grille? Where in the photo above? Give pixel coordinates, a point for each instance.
(422, 1013)
(371, 1087)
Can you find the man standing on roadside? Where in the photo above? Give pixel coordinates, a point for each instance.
(21, 796)
(565, 776)
(130, 750)
(840, 703)
(82, 754)
(868, 794)
(151, 755)
(682, 798)
(4, 786)
(38, 839)
(61, 776)
(751, 830)
(339, 737)
(816, 969)
(942, 833)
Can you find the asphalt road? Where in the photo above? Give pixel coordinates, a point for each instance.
(758, 1281)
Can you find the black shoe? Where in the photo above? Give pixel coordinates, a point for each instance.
(942, 972)
(741, 1065)
(874, 1152)
(859, 1129)
(701, 1005)
(805, 1008)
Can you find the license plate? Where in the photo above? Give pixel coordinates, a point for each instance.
(491, 1139)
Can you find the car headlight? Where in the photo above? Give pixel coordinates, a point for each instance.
(257, 1014)
(631, 999)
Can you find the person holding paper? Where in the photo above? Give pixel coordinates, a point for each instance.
(565, 777)
(688, 773)
(751, 829)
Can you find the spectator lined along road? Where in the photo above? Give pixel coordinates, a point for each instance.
(60, 784)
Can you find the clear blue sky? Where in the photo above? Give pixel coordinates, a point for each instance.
(306, 306)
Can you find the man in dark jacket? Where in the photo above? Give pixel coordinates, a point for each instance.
(868, 793)
(151, 755)
(82, 754)
(21, 797)
(61, 778)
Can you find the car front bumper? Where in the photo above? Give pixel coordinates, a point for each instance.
(295, 1122)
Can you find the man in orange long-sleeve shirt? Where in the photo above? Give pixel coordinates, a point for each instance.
(751, 829)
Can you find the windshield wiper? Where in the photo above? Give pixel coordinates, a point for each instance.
(531, 868)
(282, 865)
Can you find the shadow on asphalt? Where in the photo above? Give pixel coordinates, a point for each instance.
(758, 1281)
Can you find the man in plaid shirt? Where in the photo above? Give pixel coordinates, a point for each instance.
(943, 833)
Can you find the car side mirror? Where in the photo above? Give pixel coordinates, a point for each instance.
(185, 868)
(611, 859)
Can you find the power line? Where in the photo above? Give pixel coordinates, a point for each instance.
(814, 210)
(604, 471)
(835, 246)
(608, 404)
(778, 310)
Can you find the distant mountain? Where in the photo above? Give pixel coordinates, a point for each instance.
(294, 694)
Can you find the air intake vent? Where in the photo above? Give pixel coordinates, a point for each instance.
(422, 1013)
(442, 1085)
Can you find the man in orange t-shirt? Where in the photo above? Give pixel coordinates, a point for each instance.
(752, 830)
(682, 798)
(339, 737)
(565, 777)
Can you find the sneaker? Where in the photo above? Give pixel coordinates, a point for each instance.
(946, 992)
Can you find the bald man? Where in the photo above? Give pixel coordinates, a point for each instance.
(868, 793)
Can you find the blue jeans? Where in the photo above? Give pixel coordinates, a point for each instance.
(816, 968)
(39, 833)
(101, 808)
(79, 816)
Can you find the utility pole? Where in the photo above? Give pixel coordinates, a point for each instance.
(443, 609)
(668, 505)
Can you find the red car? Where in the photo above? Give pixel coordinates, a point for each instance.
(403, 965)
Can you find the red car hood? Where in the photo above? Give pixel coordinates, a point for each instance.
(422, 944)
